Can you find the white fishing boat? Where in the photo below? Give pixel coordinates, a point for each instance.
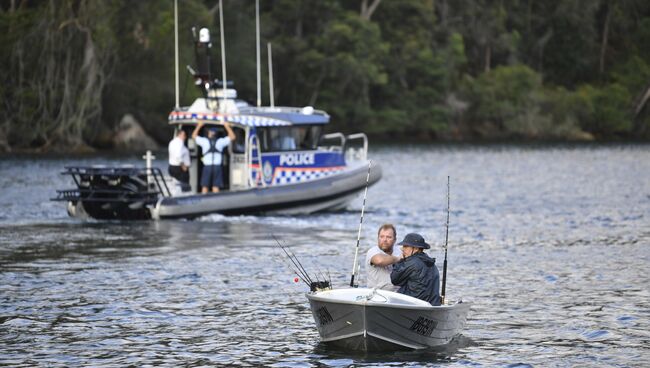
(370, 319)
(281, 161)
(379, 320)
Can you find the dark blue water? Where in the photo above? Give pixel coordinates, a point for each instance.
(551, 244)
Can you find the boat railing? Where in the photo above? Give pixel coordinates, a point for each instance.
(356, 147)
(337, 142)
(254, 163)
(103, 184)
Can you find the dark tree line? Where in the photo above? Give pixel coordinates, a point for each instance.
(434, 70)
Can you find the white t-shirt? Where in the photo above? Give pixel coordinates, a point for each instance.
(212, 158)
(178, 153)
(379, 277)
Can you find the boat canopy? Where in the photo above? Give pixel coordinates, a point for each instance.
(250, 116)
(176, 117)
(296, 116)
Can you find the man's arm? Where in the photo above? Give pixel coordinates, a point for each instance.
(230, 132)
(185, 158)
(195, 133)
(400, 273)
(383, 260)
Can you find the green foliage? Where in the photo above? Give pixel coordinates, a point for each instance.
(605, 111)
(510, 69)
(633, 74)
(501, 101)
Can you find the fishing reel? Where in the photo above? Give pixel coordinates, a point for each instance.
(320, 286)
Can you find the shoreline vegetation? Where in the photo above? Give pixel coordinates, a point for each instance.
(83, 76)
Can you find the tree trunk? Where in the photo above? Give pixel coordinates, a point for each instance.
(368, 10)
(641, 105)
(488, 57)
(319, 81)
(59, 73)
(603, 46)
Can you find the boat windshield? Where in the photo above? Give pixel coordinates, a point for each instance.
(293, 138)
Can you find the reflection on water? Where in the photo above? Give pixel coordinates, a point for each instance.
(551, 245)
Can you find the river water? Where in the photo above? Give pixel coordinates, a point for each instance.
(551, 244)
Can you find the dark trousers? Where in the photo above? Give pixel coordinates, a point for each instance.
(178, 173)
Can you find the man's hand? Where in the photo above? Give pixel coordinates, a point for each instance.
(195, 133)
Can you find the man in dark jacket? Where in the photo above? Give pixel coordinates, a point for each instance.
(416, 274)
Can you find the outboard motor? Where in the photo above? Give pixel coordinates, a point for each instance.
(113, 193)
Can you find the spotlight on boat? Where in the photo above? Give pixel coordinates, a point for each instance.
(204, 35)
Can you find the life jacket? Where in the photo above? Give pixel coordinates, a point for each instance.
(213, 149)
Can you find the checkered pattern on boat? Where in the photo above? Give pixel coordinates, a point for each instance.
(249, 120)
(290, 176)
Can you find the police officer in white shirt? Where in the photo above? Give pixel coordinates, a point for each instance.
(212, 149)
(380, 259)
(179, 158)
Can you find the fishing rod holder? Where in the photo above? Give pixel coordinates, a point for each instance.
(320, 286)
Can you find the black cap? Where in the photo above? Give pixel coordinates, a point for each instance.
(414, 240)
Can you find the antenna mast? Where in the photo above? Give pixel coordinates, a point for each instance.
(271, 75)
(257, 48)
(177, 106)
(223, 49)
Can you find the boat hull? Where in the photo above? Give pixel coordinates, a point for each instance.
(329, 193)
(348, 319)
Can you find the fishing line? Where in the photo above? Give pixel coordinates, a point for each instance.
(329, 277)
(302, 275)
(301, 266)
(295, 262)
(288, 265)
(320, 272)
(363, 207)
(292, 269)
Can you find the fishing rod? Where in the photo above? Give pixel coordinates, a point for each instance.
(363, 207)
(303, 273)
(444, 265)
(298, 276)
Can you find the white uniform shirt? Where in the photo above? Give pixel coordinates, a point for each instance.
(379, 277)
(212, 158)
(178, 153)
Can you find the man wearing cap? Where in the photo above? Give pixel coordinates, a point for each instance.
(380, 259)
(416, 274)
(212, 149)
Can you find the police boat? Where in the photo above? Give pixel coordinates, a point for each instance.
(281, 162)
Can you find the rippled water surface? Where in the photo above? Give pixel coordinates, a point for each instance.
(551, 244)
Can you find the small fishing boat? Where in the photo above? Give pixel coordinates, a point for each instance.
(280, 161)
(379, 320)
(371, 319)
